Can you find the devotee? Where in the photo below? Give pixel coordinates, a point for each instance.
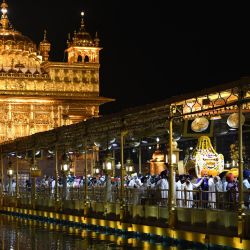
(162, 183)
(203, 187)
(232, 188)
(135, 181)
(211, 188)
(189, 189)
(179, 186)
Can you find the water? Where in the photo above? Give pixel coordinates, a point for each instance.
(22, 234)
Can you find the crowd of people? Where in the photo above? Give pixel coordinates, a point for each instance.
(208, 191)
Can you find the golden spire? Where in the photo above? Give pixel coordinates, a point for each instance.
(4, 18)
(97, 40)
(82, 22)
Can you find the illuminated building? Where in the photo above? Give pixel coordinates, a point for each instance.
(37, 94)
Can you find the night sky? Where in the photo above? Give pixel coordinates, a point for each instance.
(150, 51)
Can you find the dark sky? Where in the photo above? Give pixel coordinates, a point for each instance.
(150, 51)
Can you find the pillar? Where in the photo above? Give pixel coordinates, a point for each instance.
(171, 195)
(241, 213)
(17, 169)
(122, 203)
(56, 175)
(139, 159)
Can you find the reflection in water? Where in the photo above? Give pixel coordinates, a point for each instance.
(23, 234)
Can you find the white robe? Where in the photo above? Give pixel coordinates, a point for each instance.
(163, 185)
(189, 188)
(212, 193)
(180, 194)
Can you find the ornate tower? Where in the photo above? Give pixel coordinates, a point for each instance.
(45, 47)
(37, 94)
(82, 48)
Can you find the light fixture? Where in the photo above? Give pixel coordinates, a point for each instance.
(112, 141)
(10, 170)
(175, 153)
(97, 144)
(34, 170)
(215, 117)
(66, 164)
(108, 163)
(129, 166)
(118, 165)
(199, 124)
(4, 11)
(97, 168)
(233, 120)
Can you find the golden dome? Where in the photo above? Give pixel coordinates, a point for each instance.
(81, 38)
(11, 39)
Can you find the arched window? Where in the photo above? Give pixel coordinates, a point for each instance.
(79, 58)
(86, 59)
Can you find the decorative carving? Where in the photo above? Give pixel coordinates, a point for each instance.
(20, 118)
(61, 75)
(88, 76)
(52, 74)
(42, 118)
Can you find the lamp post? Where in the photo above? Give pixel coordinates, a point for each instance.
(34, 173)
(108, 167)
(171, 195)
(10, 173)
(122, 203)
(17, 169)
(65, 166)
(175, 155)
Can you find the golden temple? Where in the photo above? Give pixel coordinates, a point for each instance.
(37, 94)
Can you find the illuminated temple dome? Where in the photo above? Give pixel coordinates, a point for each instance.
(37, 94)
(16, 50)
(81, 38)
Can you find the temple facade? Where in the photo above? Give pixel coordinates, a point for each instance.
(37, 94)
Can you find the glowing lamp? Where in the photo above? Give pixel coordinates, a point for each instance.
(10, 171)
(65, 166)
(129, 166)
(118, 165)
(4, 11)
(108, 163)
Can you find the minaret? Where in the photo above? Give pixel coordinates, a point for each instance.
(82, 48)
(45, 47)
